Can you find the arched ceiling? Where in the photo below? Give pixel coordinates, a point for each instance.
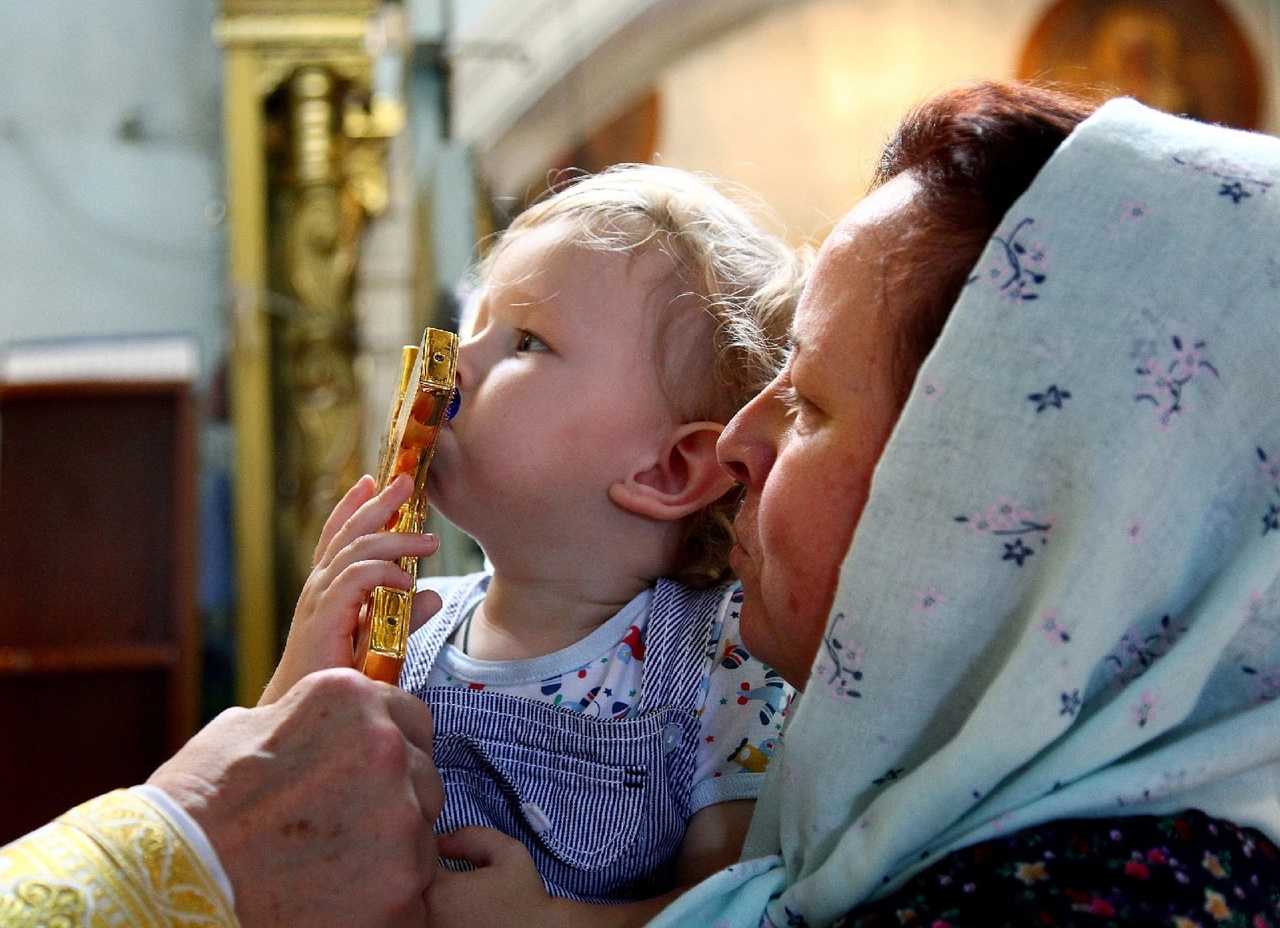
(531, 78)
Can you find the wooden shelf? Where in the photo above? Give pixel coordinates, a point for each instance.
(15, 662)
(99, 648)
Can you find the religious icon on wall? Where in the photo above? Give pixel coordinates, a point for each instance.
(1188, 57)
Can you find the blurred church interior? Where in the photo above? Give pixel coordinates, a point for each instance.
(220, 220)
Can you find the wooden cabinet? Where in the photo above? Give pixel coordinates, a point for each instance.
(98, 630)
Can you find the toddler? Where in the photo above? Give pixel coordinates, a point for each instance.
(590, 694)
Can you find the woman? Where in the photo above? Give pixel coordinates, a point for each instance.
(1046, 687)
(1055, 631)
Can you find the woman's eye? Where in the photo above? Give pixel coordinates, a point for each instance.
(792, 399)
(527, 341)
(799, 409)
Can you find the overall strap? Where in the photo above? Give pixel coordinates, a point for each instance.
(678, 629)
(457, 593)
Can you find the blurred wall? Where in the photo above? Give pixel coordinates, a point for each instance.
(110, 171)
(796, 104)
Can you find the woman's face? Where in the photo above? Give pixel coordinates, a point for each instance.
(805, 448)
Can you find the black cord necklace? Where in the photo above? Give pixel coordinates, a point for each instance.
(466, 631)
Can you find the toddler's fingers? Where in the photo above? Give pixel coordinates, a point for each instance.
(350, 590)
(384, 506)
(360, 493)
(426, 603)
(478, 846)
(380, 546)
(371, 516)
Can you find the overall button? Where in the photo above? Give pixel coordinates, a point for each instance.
(672, 735)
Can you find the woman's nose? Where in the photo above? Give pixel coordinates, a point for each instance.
(747, 446)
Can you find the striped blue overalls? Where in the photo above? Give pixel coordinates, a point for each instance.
(601, 804)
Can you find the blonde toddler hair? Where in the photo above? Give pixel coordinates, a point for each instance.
(746, 279)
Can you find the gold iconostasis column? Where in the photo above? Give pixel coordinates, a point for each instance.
(307, 118)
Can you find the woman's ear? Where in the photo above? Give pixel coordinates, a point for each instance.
(685, 478)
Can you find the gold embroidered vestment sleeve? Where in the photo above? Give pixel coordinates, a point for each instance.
(113, 861)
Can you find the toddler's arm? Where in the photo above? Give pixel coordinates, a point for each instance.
(505, 887)
(352, 557)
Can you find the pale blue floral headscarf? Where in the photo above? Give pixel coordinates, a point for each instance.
(1063, 598)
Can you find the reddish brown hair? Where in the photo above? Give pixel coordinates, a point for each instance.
(974, 150)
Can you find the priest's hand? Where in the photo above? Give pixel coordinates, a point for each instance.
(320, 806)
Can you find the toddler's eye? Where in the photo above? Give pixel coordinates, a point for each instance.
(527, 341)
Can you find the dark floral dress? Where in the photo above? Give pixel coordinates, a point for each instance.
(1180, 871)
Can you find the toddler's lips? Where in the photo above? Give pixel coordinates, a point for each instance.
(454, 402)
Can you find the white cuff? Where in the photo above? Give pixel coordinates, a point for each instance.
(192, 833)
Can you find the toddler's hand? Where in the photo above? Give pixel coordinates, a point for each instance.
(352, 557)
(503, 890)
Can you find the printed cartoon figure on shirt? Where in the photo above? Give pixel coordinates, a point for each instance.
(753, 757)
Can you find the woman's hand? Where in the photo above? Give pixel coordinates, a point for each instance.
(354, 555)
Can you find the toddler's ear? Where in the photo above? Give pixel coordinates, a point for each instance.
(685, 478)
